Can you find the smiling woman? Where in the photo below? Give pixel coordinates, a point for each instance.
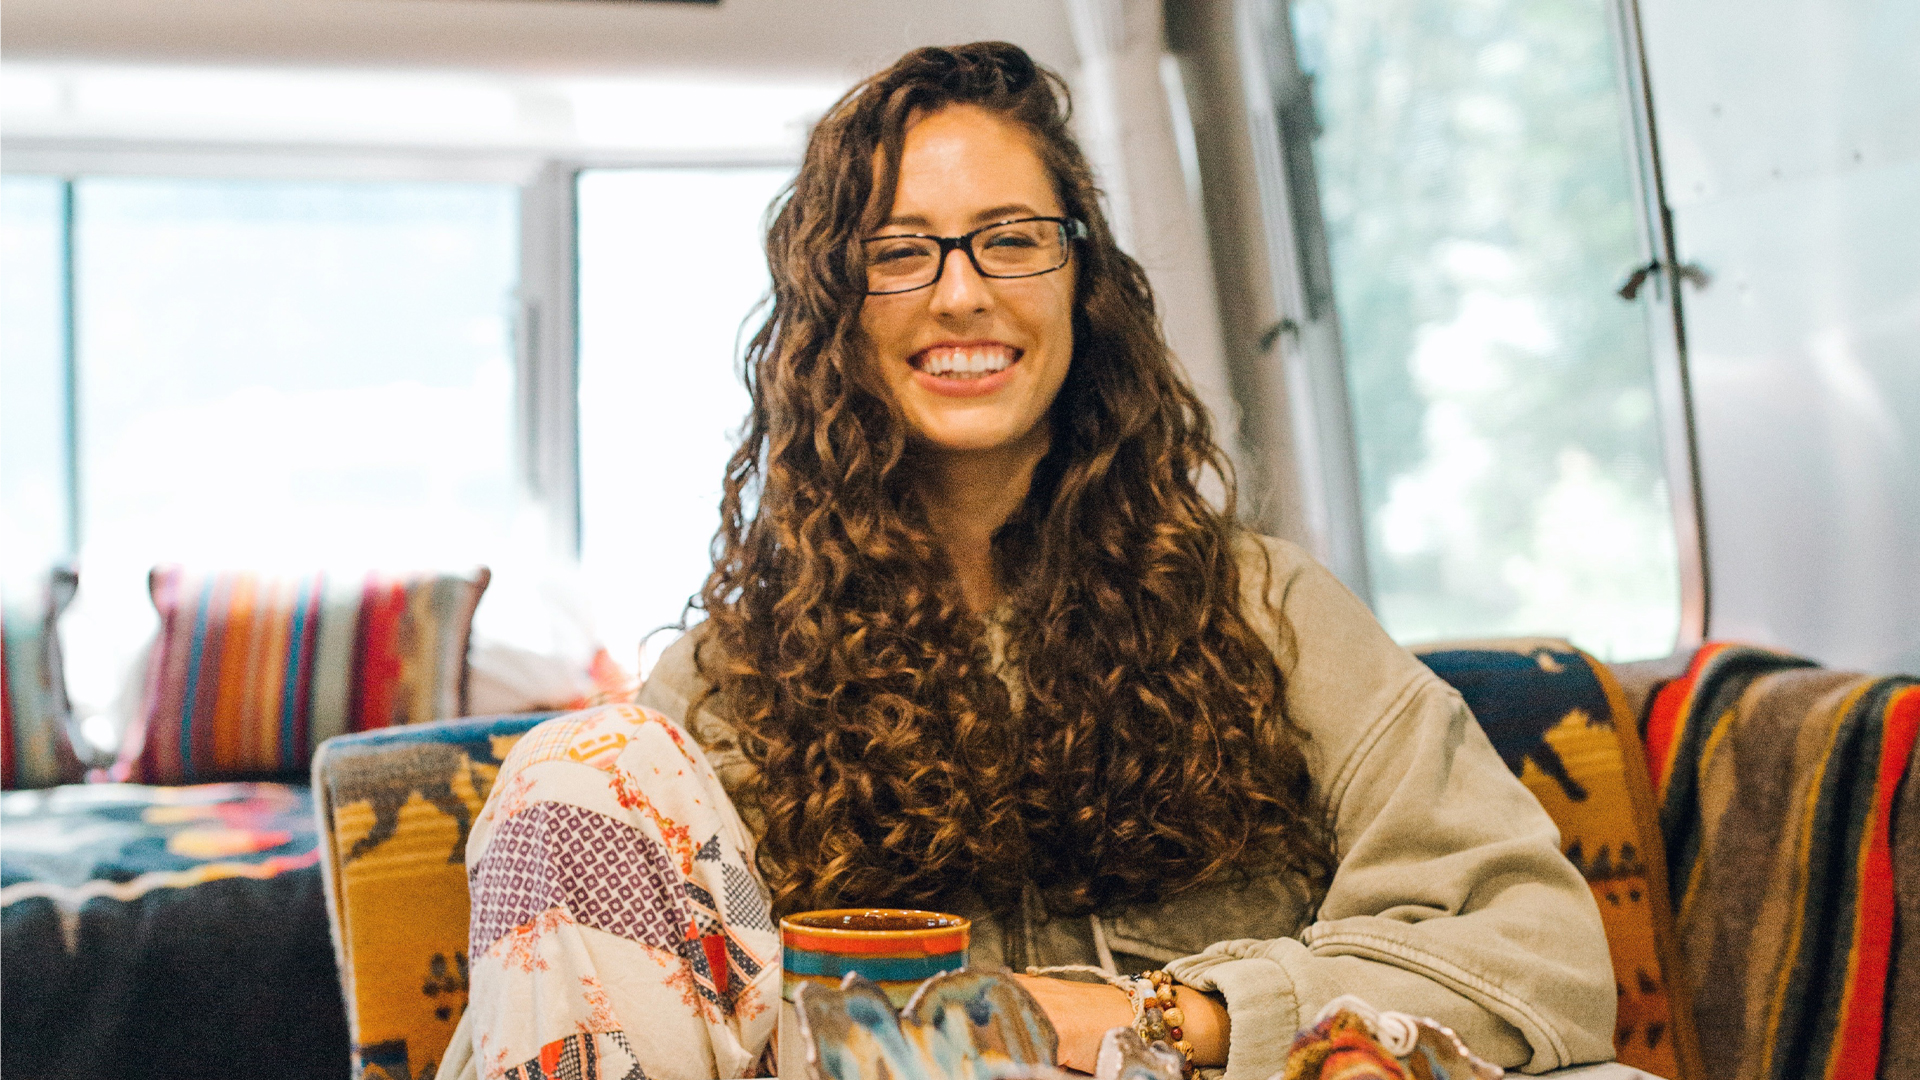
(977, 643)
(973, 362)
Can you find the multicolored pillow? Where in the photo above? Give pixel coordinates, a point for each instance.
(36, 719)
(251, 672)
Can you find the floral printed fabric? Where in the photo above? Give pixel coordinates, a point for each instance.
(618, 929)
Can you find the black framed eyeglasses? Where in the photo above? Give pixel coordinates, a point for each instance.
(1023, 247)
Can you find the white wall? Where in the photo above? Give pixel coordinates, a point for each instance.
(1790, 131)
(495, 83)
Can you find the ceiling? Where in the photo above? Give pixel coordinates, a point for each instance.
(836, 40)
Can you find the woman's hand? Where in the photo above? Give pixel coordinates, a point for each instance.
(1082, 1013)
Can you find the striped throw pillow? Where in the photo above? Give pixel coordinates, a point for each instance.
(36, 720)
(251, 672)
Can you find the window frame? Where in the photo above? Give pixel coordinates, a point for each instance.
(1666, 325)
(69, 368)
(1270, 246)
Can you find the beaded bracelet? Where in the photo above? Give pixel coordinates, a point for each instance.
(1156, 1017)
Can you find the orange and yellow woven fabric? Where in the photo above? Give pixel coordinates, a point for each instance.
(395, 807)
(1560, 722)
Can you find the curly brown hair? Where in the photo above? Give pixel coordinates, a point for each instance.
(1141, 749)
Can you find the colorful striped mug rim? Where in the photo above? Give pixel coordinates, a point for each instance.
(939, 932)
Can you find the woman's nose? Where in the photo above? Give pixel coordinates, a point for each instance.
(961, 289)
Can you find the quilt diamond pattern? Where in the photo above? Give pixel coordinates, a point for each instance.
(605, 873)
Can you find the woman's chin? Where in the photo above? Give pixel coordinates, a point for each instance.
(973, 423)
(969, 438)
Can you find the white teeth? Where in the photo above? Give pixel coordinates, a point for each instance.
(968, 364)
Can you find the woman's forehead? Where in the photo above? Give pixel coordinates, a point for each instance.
(963, 163)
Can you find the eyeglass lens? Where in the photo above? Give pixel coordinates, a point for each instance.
(1013, 249)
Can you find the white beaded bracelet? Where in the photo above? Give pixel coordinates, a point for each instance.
(1156, 1017)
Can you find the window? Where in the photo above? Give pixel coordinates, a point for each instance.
(1476, 177)
(33, 367)
(672, 262)
(320, 371)
(264, 374)
(297, 317)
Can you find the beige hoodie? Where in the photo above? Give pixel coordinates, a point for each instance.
(1452, 899)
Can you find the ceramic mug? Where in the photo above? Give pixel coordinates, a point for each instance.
(896, 948)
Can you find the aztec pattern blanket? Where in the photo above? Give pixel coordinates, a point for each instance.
(165, 933)
(395, 807)
(1900, 1045)
(1561, 723)
(1777, 783)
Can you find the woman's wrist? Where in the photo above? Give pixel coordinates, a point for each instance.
(1082, 1013)
(1207, 1025)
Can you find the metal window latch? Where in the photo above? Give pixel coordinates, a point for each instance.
(1691, 273)
(1272, 333)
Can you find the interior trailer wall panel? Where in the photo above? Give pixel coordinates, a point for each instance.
(1791, 136)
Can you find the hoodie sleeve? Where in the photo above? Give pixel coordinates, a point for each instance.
(1452, 898)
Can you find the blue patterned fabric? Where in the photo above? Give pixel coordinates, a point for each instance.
(1518, 696)
(1559, 721)
(158, 932)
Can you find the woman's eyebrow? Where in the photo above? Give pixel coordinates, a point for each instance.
(1009, 210)
(917, 221)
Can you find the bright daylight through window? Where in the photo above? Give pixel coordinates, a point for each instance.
(1475, 173)
(33, 427)
(268, 374)
(663, 303)
(296, 337)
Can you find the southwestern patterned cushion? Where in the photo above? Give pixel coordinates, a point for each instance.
(153, 932)
(395, 807)
(1560, 722)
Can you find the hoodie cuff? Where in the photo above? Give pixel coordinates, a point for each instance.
(1261, 1004)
